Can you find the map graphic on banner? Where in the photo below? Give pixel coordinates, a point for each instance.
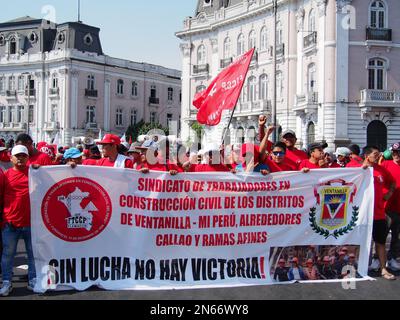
(122, 230)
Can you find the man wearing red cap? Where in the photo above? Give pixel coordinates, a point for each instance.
(111, 157)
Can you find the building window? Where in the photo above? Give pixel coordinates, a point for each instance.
(2, 84)
(252, 89)
(153, 91)
(311, 21)
(311, 133)
(264, 87)
(311, 77)
(376, 74)
(240, 45)
(201, 55)
(120, 86)
(153, 117)
(264, 38)
(54, 113)
(21, 84)
(20, 110)
(169, 118)
(11, 114)
(252, 39)
(11, 83)
(30, 114)
(13, 46)
(118, 118)
(170, 94)
(227, 48)
(90, 114)
(90, 82)
(378, 15)
(3, 114)
(133, 117)
(279, 33)
(134, 89)
(200, 88)
(180, 96)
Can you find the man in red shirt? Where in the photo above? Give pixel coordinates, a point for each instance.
(382, 180)
(355, 158)
(293, 155)
(316, 160)
(393, 207)
(16, 218)
(35, 157)
(111, 157)
(94, 156)
(276, 162)
(212, 161)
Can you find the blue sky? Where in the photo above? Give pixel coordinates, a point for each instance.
(141, 31)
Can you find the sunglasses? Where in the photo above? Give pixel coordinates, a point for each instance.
(279, 154)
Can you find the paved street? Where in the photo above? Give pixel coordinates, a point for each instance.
(380, 290)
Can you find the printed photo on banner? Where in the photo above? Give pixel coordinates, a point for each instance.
(308, 263)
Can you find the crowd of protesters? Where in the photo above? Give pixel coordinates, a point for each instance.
(159, 153)
(338, 263)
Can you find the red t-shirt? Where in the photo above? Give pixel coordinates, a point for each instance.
(295, 157)
(382, 180)
(17, 208)
(278, 167)
(2, 190)
(5, 156)
(335, 165)
(208, 168)
(307, 164)
(355, 162)
(41, 159)
(90, 162)
(393, 205)
(105, 162)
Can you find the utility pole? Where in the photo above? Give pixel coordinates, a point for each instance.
(274, 120)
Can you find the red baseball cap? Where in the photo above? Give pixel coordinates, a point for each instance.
(110, 139)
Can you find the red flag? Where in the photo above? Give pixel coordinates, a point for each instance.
(223, 92)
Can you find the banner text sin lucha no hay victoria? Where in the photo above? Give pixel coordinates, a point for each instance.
(122, 230)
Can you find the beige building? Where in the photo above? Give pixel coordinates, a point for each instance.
(55, 78)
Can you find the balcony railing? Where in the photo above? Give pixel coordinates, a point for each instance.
(379, 34)
(310, 40)
(201, 68)
(379, 98)
(91, 125)
(52, 125)
(11, 93)
(91, 93)
(54, 91)
(30, 92)
(309, 98)
(153, 100)
(280, 49)
(225, 62)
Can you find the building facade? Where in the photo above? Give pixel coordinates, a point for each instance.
(335, 79)
(56, 79)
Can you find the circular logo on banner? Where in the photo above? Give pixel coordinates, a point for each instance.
(76, 209)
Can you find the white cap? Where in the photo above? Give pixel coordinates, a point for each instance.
(19, 150)
(345, 152)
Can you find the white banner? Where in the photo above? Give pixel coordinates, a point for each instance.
(123, 230)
